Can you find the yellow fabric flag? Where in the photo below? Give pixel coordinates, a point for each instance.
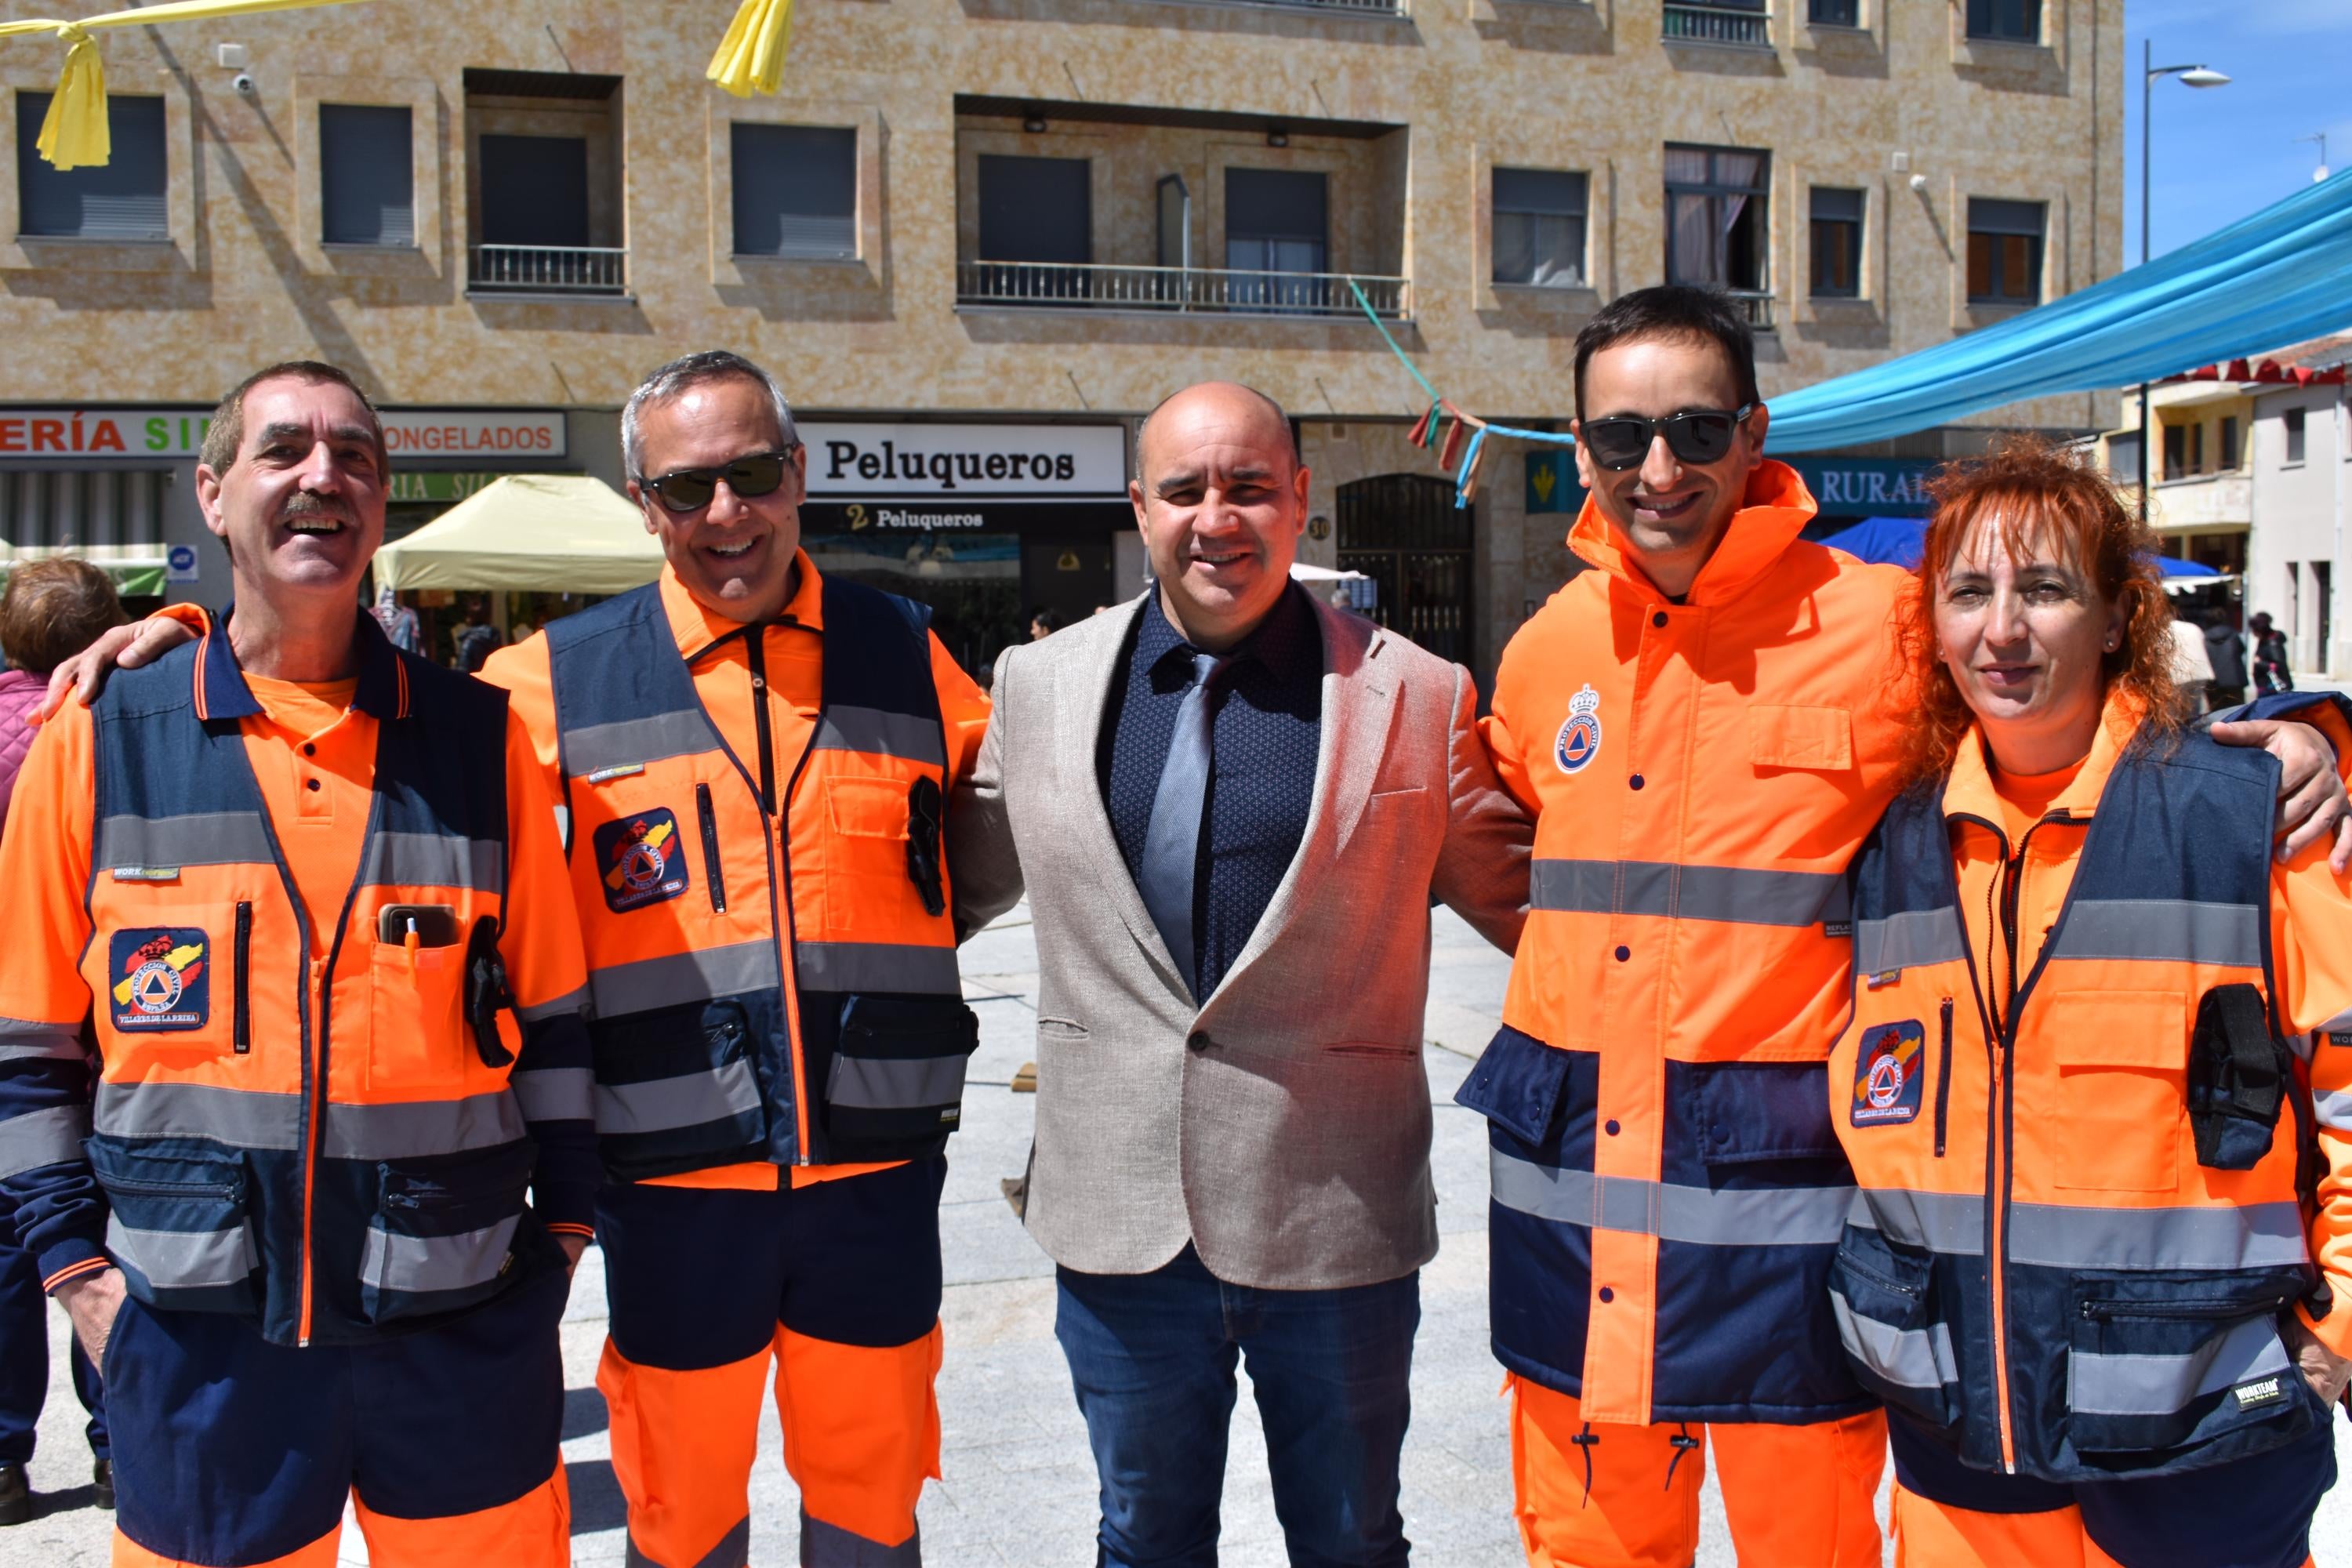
(73, 133)
(751, 55)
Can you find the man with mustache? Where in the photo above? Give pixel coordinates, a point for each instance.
(290, 1026)
(1232, 806)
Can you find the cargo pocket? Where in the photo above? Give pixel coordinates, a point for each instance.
(178, 1228)
(2123, 1089)
(1883, 1300)
(2162, 1370)
(443, 1232)
(675, 1090)
(416, 1035)
(1517, 1086)
(896, 1087)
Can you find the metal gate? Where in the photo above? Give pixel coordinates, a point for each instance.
(1403, 531)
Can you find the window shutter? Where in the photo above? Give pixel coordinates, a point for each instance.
(795, 191)
(123, 199)
(367, 192)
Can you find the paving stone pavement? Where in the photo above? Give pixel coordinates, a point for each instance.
(1019, 1487)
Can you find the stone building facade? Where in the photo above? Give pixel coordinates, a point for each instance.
(499, 214)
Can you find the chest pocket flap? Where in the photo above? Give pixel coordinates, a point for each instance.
(1783, 735)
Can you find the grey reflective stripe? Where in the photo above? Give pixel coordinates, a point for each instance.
(661, 1104)
(827, 1545)
(2259, 1235)
(433, 860)
(555, 1094)
(651, 982)
(185, 1259)
(682, 732)
(2334, 1108)
(2161, 1384)
(1949, 1223)
(235, 1116)
(404, 1129)
(570, 1001)
(1908, 1358)
(43, 1137)
(1906, 940)
(420, 1263)
(733, 1550)
(842, 729)
(1747, 1216)
(2162, 931)
(205, 839)
(23, 1041)
(876, 966)
(869, 1083)
(1727, 893)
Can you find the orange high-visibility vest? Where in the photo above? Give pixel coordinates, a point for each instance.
(772, 955)
(2050, 1270)
(1667, 1188)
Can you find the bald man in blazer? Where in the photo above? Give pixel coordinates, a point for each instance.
(1232, 806)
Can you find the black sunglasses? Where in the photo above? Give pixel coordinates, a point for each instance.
(1699, 436)
(691, 490)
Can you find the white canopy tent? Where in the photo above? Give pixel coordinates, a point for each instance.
(552, 533)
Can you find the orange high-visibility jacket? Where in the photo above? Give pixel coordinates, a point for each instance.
(1667, 1188)
(298, 1117)
(2076, 1238)
(754, 819)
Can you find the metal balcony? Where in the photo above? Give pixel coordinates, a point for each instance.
(1739, 25)
(1381, 8)
(1758, 304)
(546, 269)
(1201, 291)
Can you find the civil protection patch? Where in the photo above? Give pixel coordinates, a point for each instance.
(640, 860)
(1888, 1074)
(161, 978)
(1579, 740)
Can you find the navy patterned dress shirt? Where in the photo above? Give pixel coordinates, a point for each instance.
(1266, 728)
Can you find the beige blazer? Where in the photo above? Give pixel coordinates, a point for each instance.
(1282, 1125)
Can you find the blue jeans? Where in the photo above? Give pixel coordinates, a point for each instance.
(1153, 1358)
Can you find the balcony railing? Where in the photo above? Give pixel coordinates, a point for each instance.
(1758, 304)
(1207, 290)
(546, 269)
(1701, 24)
(1342, 7)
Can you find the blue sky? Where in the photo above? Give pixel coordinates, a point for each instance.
(2224, 151)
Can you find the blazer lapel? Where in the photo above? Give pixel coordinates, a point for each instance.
(1359, 705)
(1082, 693)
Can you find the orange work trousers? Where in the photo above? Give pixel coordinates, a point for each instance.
(533, 1531)
(1938, 1535)
(1594, 1495)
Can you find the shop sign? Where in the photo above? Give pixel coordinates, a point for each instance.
(69, 432)
(1867, 487)
(1552, 484)
(179, 563)
(874, 463)
(410, 485)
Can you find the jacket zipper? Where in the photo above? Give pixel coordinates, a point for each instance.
(241, 1007)
(221, 1190)
(711, 873)
(2101, 1312)
(1944, 1079)
(755, 649)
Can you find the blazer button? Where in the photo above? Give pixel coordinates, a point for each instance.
(1199, 1041)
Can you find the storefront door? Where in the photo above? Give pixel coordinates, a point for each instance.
(1404, 532)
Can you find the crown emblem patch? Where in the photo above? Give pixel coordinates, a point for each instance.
(1579, 740)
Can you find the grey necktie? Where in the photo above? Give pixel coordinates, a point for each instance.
(1171, 844)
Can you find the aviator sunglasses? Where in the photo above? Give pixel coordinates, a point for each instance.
(1698, 436)
(691, 490)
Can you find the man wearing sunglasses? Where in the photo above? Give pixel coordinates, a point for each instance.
(1700, 726)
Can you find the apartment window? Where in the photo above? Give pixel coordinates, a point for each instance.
(2176, 450)
(1540, 228)
(2123, 458)
(1276, 220)
(795, 191)
(2295, 434)
(1035, 209)
(2229, 443)
(367, 189)
(2006, 21)
(534, 190)
(1837, 223)
(1715, 229)
(2005, 241)
(124, 198)
(2322, 594)
(1834, 13)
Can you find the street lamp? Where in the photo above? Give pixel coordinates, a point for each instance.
(2191, 75)
(2321, 137)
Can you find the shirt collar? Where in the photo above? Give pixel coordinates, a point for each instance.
(1287, 634)
(1971, 791)
(697, 627)
(221, 690)
(1771, 516)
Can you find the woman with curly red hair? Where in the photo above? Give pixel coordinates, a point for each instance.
(2081, 1276)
